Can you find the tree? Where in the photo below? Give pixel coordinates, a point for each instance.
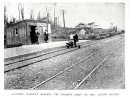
(5, 25)
(81, 25)
(38, 16)
(21, 10)
(32, 15)
(91, 24)
(5, 17)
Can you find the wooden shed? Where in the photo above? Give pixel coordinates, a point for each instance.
(24, 32)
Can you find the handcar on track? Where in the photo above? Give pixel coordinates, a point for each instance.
(71, 44)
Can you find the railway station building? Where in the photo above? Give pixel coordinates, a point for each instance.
(24, 32)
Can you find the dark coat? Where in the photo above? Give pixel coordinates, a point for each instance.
(75, 37)
(37, 34)
(46, 36)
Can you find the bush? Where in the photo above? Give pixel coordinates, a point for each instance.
(59, 37)
(93, 37)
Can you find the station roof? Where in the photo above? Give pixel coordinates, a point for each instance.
(26, 20)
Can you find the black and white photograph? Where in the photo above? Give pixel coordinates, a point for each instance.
(64, 46)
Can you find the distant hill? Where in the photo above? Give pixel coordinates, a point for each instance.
(61, 32)
(91, 33)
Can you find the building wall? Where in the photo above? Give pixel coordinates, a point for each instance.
(49, 32)
(82, 32)
(9, 36)
(16, 35)
(20, 32)
(41, 27)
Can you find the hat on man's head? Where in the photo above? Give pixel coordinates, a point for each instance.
(74, 32)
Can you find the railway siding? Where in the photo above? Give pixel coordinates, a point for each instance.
(111, 74)
(25, 61)
(70, 78)
(32, 75)
(40, 71)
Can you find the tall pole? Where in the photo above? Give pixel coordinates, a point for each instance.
(63, 11)
(39, 16)
(54, 13)
(22, 12)
(47, 18)
(64, 19)
(58, 20)
(19, 10)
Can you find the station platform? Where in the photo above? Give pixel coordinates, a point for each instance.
(26, 49)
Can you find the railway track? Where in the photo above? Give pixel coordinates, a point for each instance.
(66, 69)
(35, 59)
(78, 85)
(10, 66)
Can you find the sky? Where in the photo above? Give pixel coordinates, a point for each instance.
(103, 14)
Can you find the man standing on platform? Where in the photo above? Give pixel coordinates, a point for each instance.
(46, 36)
(37, 36)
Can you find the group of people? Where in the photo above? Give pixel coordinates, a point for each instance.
(74, 37)
(45, 36)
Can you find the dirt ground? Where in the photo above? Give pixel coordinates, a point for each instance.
(110, 75)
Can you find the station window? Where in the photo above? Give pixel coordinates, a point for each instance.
(16, 31)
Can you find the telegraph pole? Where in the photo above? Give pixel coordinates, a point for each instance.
(63, 12)
(58, 20)
(54, 13)
(19, 10)
(47, 18)
(39, 16)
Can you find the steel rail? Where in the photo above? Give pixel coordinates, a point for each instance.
(36, 56)
(9, 63)
(33, 57)
(18, 67)
(95, 68)
(66, 69)
(46, 58)
(43, 54)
